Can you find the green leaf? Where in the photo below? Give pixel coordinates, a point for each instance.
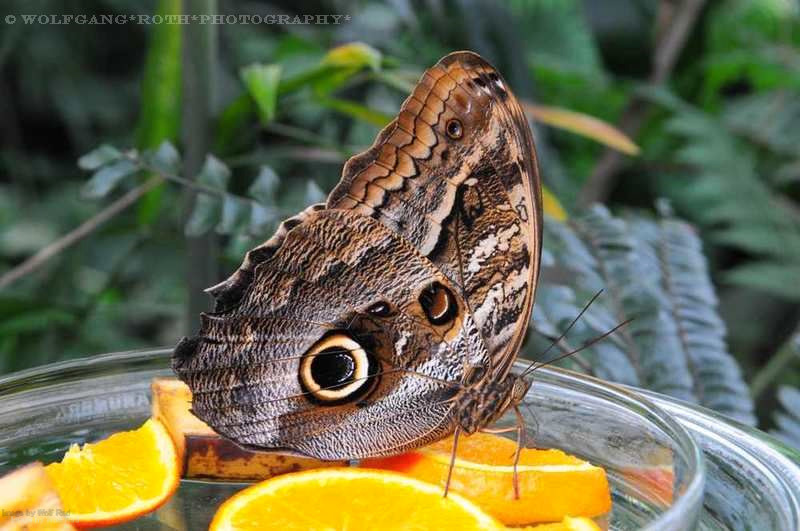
(261, 218)
(265, 83)
(207, 210)
(264, 186)
(338, 66)
(314, 194)
(36, 321)
(233, 122)
(100, 156)
(778, 278)
(582, 124)
(165, 159)
(354, 55)
(108, 177)
(160, 114)
(262, 83)
(214, 174)
(205, 215)
(735, 205)
(557, 34)
(160, 109)
(235, 215)
(356, 110)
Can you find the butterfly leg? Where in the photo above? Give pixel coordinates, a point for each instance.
(456, 433)
(520, 442)
(519, 428)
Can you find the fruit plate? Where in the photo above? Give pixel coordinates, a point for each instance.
(656, 469)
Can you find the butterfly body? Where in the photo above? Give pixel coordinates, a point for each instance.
(482, 405)
(390, 316)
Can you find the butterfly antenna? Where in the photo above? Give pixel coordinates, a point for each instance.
(565, 332)
(537, 365)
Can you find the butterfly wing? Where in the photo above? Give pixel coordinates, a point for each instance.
(332, 288)
(422, 265)
(456, 174)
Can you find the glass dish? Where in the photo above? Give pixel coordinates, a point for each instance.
(752, 479)
(656, 470)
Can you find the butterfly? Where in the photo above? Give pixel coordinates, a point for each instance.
(390, 316)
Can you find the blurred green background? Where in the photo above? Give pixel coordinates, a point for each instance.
(662, 111)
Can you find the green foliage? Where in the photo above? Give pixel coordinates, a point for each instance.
(751, 42)
(262, 83)
(159, 120)
(787, 418)
(721, 146)
(653, 273)
(723, 187)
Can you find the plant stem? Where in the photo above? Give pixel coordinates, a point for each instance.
(78, 233)
(777, 364)
(199, 49)
(672, 39)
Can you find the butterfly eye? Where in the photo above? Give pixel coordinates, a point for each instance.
(438, 303)
(454, 129)
(336, 369)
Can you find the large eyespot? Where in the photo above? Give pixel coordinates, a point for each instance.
(438, 303)
(337, 369)
(454, 129)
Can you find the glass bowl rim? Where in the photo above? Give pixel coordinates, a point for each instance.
(142, 359)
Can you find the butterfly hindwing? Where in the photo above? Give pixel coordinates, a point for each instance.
(346, 281)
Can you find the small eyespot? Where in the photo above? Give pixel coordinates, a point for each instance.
(454, 129)
(439, 304)
(380, 309)
(337, 369)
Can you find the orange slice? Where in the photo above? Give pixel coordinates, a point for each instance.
(28, 501)
(204, 454)
(348, 498)
(552, 484)
(567, 524)
(119, 478)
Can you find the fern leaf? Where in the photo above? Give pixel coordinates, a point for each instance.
(654, 272)
(734, 204)
(787, 419)
(686, 294)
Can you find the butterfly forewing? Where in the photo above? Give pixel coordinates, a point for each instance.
(455, 173)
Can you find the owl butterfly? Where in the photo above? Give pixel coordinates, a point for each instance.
(390, 316)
